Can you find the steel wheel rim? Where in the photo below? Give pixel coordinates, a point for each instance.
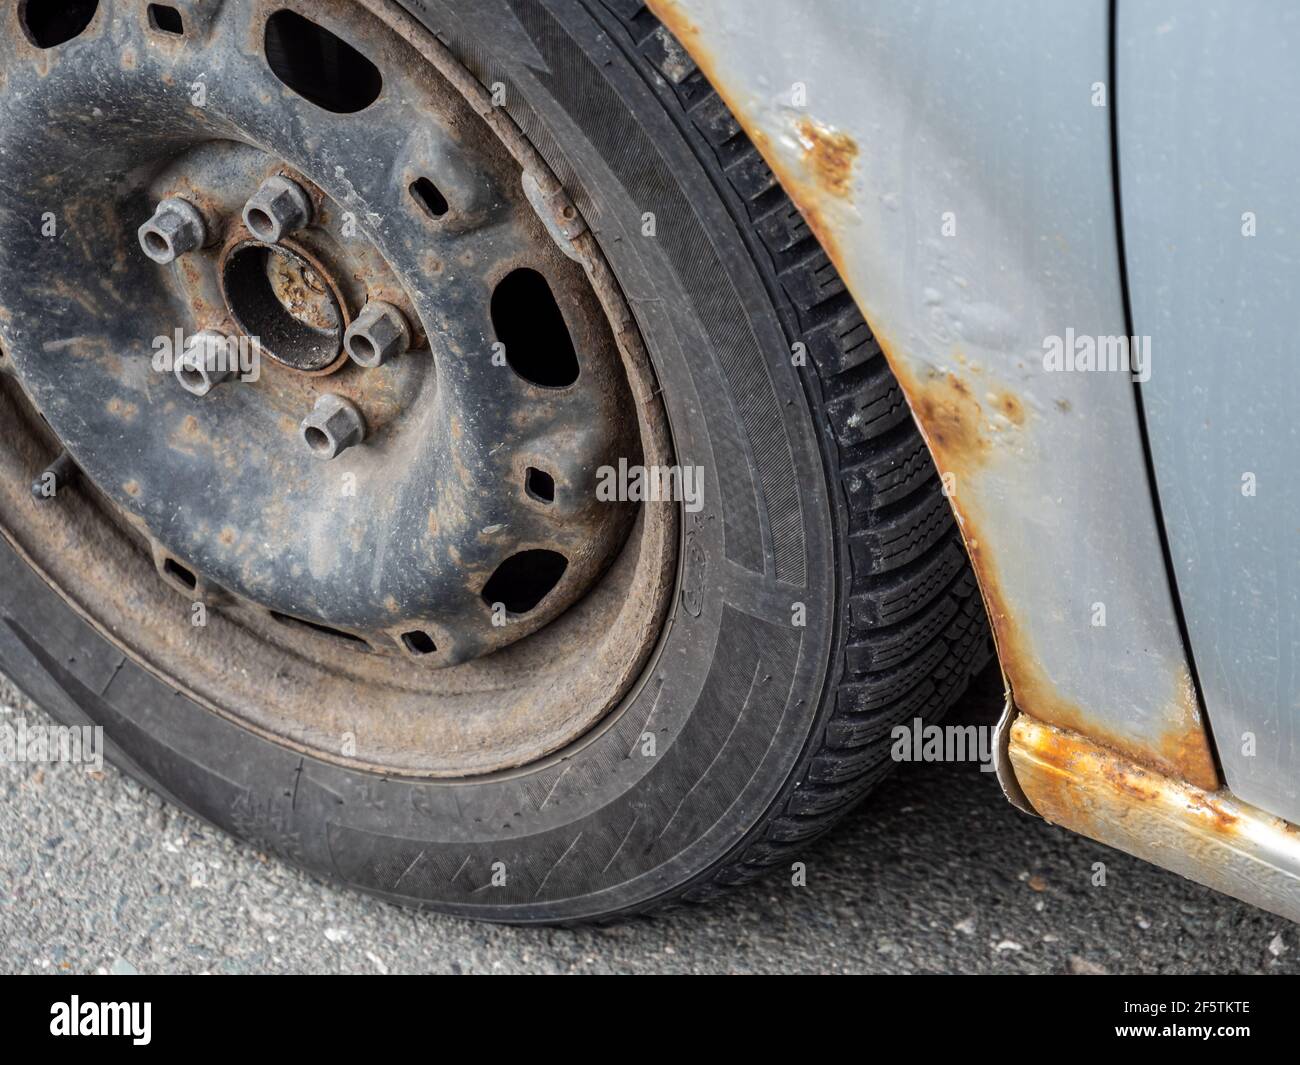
(608, 616)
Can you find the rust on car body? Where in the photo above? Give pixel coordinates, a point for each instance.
(1208, 836)
(830, 155)
(963, 437)
(1053, 761)
(967, 428)
(825, 182)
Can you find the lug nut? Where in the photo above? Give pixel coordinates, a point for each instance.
(206, 362)
(175, 228)
(333, 426)
(380, 333)
(278, 208)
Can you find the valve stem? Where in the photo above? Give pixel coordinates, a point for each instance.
(56, 474)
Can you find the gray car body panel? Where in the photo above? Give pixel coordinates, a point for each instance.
(955, 159)
(1209, 152)
(994, 119)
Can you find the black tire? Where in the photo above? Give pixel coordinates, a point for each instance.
(819, 491)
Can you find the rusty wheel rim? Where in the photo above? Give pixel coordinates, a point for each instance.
(452, 596)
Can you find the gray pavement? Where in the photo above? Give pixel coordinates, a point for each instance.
(936, 873)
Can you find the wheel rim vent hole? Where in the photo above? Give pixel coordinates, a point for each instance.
(539, 485)
(50, 23)
(292, 622)
(180, 575)
(530, 324)
(166, 19)
(319, 66)
(523, 580)
(419, 642)
(429, 197)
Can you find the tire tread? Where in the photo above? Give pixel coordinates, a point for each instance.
(917, 631)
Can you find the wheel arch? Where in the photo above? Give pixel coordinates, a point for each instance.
(959, 172)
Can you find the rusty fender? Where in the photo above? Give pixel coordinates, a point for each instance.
(1045, 468)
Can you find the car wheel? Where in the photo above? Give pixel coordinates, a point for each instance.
(551, 541)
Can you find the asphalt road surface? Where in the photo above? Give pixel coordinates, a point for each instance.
(936, 873)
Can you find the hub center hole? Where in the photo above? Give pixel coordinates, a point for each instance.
(283, 302)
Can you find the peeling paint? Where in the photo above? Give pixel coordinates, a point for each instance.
(1206, 835)
(829, 155)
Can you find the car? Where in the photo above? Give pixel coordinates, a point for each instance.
(542, 460)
